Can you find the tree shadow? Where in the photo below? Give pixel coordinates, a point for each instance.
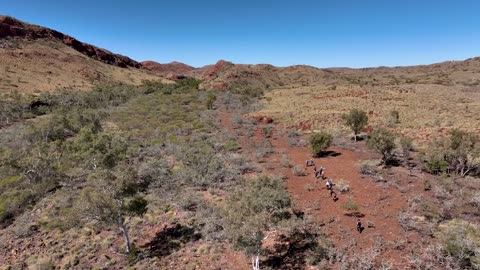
(170, 240)
(359, 138)
(354, 214)
(324, 154)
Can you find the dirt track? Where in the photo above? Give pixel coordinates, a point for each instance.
(378, 204)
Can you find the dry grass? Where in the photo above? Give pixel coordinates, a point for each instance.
(425, 109)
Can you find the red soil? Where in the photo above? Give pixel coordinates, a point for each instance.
(379, 204)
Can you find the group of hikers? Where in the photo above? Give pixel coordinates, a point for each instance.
(320, 174)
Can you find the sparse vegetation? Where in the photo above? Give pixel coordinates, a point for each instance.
(154, 161)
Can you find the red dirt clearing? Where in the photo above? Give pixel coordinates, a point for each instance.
(378, 204)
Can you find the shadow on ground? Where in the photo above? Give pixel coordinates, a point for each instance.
(170, 240)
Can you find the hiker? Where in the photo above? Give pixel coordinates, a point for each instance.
(359, 226)
(315, 171)
(329, 184)
(309, 162)
(334, 195)
(321, 172)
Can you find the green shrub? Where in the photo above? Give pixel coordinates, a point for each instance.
(350, 205)
(319, 142)
(459, 153)
(394, 117)
(299, 170)
(211, 98)
(356, 120)
(13, 202)
(382, 141)
(461, 240)
(250, 209)
(267, 132)
(232, 146)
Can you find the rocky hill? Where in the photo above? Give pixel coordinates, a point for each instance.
(169, 69)
(37, 59)
(13, 28)
(227, 75)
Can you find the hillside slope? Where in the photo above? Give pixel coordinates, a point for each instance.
(37, 59)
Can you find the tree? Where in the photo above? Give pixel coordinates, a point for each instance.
(108, 200)
(251, 210)
(394, 117)
(463, 154)
(319, 142)
(383, 142)
(406, 145)
(356, 120)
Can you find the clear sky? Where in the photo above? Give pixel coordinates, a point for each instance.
(322, 33)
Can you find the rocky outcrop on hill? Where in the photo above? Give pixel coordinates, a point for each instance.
(13, 28)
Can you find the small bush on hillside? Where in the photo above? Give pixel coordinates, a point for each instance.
(394, 118)
(247, 92)
(263, 149)
(292, 142)
(459, 153)
(343, 186)
(267, 132)
(461, 240)
(350, 205)
(319, 142)
(382, 141)
(294, 134)
(356, 120)
(211, 98)
(232, 146)
(368, 167)
(299, 170)
(237, 120)
(285, 161)
(406, 145)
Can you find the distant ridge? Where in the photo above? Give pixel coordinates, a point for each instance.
(167, 69)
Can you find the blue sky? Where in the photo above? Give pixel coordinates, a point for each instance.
(329, 33)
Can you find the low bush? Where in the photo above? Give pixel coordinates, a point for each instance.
(350, 205)
(319, 142)
(461, 241)
(299, 170)
(459, 153)
(232, 146)
(342, 186)
(267, 132)
(382, 141)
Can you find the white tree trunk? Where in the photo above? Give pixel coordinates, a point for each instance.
(124, 230)
(256, 263)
